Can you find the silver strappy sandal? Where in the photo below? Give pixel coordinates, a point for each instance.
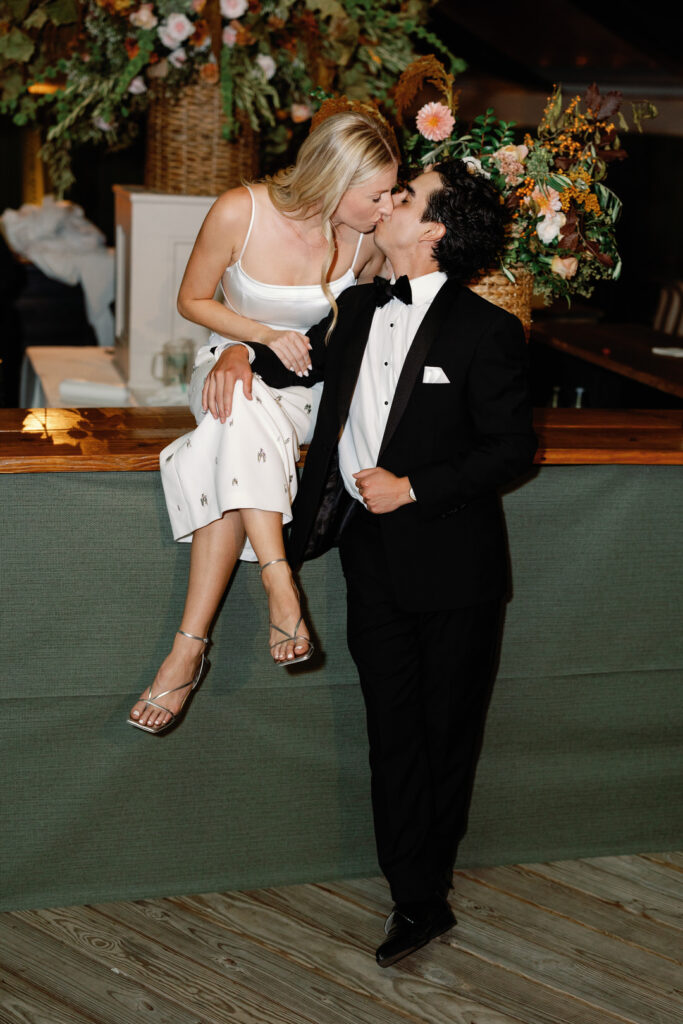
(194, 683)
(290, 636)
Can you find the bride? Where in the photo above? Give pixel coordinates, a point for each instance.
(282, 251)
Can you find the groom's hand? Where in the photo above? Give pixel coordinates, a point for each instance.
(232, 365)
(381, 490)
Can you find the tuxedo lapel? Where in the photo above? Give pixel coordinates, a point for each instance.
(417, 353)
(355, 340)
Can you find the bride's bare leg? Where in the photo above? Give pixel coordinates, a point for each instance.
(264, 530)
(215, 550)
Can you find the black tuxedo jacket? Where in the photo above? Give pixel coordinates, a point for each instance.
(457, 442)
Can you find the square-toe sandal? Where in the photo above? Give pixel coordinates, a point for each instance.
(193, 684)
(290, 636)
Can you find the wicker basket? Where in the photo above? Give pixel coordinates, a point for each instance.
(186, 151)
(516, 298)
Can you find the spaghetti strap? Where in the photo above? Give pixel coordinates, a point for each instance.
(355, 255)
(251, 223)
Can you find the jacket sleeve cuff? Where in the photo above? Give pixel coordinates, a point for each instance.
(434, 495)
(221, 347)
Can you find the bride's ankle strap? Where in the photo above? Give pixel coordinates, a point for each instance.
(272, 562)
(204, 639)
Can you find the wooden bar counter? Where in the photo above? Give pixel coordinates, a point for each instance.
(129, 440)
(265, 781)
(626, 349)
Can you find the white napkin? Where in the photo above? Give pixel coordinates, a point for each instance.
(87, 392)
(678, 352)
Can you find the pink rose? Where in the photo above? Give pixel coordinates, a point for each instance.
(229, 36)
(267, 65)
(233, 8)
(564, 266)
(516, 152)
(177, 58)
(300, 112)
(175, 30)
(137, 86)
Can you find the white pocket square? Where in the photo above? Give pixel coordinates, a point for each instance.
(434, 375)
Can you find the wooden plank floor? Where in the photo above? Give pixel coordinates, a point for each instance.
(596, 941)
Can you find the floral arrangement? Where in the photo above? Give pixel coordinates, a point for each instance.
(562, 214)
(86, 71)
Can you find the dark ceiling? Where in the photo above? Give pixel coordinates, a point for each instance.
(633, 47)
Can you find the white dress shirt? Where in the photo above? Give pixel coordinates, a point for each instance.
(393, 329)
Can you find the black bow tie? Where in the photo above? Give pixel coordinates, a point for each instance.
(385, 291)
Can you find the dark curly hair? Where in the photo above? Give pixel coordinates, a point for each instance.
(470, 209)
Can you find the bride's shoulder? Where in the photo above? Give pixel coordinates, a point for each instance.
(226, 225)
(233, 207)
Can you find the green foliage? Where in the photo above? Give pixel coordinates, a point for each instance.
(326, 8)
(62, 12)
(641, 112)
(36, 19)
(488, 134)
(16, 45)
(356, 47)
(18, 9)
(13, 87)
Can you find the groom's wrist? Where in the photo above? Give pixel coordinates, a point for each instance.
(411, 492)
(407, 492)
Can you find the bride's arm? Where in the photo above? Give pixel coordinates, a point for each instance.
(234, 365)
(218, 245)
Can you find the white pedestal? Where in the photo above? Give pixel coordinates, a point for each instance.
(154, 237)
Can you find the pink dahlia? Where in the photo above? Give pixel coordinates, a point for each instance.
(435, 121)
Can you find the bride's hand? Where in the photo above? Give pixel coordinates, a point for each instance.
(232, 365)
(291, 348)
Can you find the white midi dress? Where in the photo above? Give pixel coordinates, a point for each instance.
(250, 460)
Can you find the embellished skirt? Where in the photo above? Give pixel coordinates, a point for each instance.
(247, 462)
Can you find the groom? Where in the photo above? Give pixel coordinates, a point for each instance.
(424, 414)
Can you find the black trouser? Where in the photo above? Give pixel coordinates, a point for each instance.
(426, 679)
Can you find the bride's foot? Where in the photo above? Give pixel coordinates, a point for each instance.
(289, 639)
(177, 673)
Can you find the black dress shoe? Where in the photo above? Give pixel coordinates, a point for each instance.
(412, 926)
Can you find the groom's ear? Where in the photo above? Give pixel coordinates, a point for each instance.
(433, 232)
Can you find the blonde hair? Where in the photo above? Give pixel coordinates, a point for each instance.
(341, 153)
